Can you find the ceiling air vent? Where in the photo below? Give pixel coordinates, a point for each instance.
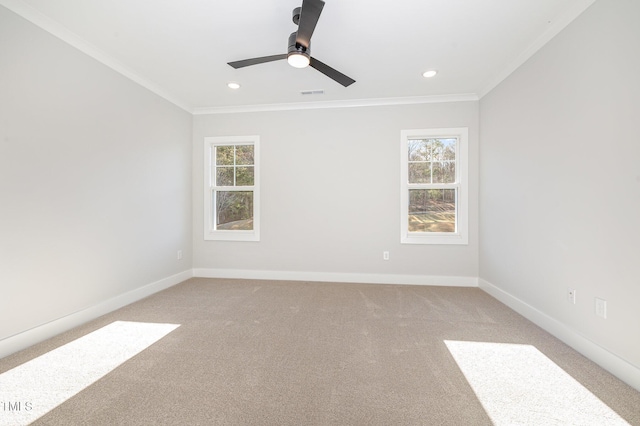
(312, 92)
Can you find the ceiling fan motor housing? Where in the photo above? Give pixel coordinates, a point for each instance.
(297, 48)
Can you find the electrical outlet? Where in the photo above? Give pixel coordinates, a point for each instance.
(385, 255)
(571, 295)
(601, 308)
(179, 256)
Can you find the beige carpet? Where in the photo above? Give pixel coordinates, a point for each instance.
(300, 353)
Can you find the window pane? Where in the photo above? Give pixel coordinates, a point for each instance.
(224, 155)
(419, 172)
(244, 176)
(444, 149)
(419, 150)
(448, 171)
(432, 210)
(437, 172)
(244, 154)
(449, 149)
(224, 176)
(444, 172)
(234, 210)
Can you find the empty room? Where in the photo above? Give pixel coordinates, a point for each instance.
(429, 215)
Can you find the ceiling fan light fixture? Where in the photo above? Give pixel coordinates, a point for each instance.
(298, 60)
(299, 45)
(429, 73)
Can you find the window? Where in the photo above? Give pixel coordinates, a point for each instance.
(231, 189)
(434, 186)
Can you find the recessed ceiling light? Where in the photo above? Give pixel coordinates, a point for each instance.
(429, 73)
(233, 85)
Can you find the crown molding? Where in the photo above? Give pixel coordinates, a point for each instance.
(560, 23)
(56, 29)
(350, 103)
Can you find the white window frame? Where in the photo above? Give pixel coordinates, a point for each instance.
(210, 231)
(461, 185)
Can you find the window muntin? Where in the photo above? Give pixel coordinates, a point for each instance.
(231, 188)
(434, 186)
(432, 160)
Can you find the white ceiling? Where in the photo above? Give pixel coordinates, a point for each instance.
(180, 48)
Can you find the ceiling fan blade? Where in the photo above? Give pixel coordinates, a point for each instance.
(256, 61)
(331, 73)
(309, 16)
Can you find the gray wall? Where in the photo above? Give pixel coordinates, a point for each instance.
(95, 181)
(101, 182)
(331, 191)
(560, 178)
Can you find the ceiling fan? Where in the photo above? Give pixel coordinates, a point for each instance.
(299, 52)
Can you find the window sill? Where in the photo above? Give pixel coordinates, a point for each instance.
(232, 236)
(435, 238)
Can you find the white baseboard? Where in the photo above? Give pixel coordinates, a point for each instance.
(337, 277)
(40, 333)
(617, 366)
(609, 361)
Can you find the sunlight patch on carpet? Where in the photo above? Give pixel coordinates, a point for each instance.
(519, 385)
(34, 388)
